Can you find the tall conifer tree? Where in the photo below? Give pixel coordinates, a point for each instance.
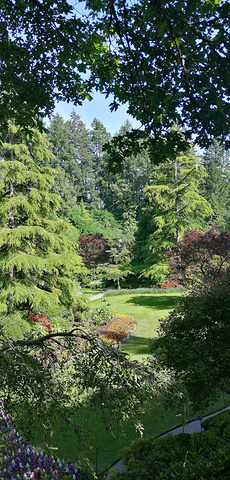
(98, 137)
(37, 262)
(216, 188)
(172, 205)
(124, 191)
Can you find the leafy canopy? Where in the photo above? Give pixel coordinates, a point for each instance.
(168, 60)
(48, 379)
(172, 63)
(45, 50)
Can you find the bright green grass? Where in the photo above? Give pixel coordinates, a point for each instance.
(146, 311)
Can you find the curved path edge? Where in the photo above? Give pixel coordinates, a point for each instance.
(190, 427)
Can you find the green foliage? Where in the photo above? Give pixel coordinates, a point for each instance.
(118, 267)
(94, 221)
(38, 263)
(101, 315)
(204, 455)
(104, 222)
(39, 64)
(15, 325)
(219, 421)
(150, 458)
(115, 273)
(54, 375)
(172, 204)
(194, 342)
(139, 291)
(74, 180)
(123, 191)
(161, 64)
(156, 272)
(216, 187)
(61, 317)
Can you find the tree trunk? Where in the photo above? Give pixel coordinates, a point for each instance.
(177, 214)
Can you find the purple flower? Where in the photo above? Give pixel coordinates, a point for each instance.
(19, 459)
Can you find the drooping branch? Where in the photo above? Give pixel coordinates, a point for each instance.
(43, 339)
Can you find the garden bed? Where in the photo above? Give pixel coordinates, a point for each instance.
(115, 330)
(20, 460)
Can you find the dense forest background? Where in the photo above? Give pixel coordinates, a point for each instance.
(135, 216)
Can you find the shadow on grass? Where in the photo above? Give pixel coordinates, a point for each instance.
(137, 345)
(158, 302)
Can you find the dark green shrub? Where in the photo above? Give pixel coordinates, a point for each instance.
(147, 459)
(194, 341)
(15, 325)
(198, 456)
(219, 421)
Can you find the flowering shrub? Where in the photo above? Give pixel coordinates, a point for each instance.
(167, 285)
(42, 321)
(120, 328)
(101, 315)
(115, 329)
(20, 461)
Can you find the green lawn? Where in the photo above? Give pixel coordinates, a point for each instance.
(106, 447)
(146, 311)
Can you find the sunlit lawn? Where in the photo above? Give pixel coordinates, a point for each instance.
(146, 311)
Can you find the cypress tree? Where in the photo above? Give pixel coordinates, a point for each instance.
(37, 261)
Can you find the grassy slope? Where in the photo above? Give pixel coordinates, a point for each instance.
(146, 310)
(106, 448)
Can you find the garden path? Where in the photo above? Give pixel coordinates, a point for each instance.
(190, 427)
(100, 295)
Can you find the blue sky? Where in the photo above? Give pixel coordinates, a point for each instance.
(98, 108)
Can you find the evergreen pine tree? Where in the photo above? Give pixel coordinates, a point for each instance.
(75, 179)
(98, 137)
(124, 191)
(37, 261)
(80, 170)
(63, 151)
(216, 188)
(216, 191)
(172, 205)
